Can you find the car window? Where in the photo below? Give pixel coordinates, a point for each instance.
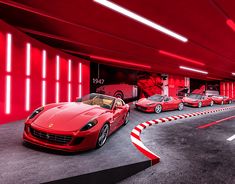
(119, 103)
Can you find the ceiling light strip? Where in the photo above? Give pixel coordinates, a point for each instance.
(193, 70)
(180, 57)
(141, 19)
(120, 62)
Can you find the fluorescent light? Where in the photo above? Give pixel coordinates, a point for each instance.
(69, 92)
(43, 64)
(9, 40)
(43, 93)
(57, 67)
(28, 59)
(117, 61)
(27, 100)
(80, 81)
(79, 90)
(80, 73)
(141, 19)
(180, 57)
(8, 95)
(193, 70)
(69, 70)
(57, 96)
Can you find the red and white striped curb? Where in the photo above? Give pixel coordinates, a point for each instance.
(135, 133)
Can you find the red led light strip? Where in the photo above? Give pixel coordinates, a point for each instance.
(175, 56)
(120, 62)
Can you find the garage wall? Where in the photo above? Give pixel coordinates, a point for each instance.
(227, 89)
(33, 74)
(175, 83)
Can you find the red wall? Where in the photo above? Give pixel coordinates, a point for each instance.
(227, 89)
(17, 74)
(174, 82)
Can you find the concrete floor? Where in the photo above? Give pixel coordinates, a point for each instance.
(190, 155)
(19, 164)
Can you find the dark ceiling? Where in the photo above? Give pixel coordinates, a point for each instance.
(85, 28)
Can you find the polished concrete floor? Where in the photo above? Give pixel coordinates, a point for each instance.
(176, 146)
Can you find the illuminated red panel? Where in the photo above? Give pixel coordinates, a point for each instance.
(175, 56)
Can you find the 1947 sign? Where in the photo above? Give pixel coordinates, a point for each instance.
(98, 81)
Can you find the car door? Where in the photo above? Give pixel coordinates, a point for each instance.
(118, 113)
(167, 104)
(206, 101)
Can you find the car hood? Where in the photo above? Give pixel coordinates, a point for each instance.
(68, 117)
(145, 101)
(187, 99)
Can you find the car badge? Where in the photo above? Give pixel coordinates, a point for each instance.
(50, 125)
(48, 136)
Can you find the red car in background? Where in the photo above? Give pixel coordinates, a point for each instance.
(159, 103)
(198, 100)
(76, 126)
(218, 99)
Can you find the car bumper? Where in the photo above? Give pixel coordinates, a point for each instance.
(88, 142)
(144, 108)
(191, 104)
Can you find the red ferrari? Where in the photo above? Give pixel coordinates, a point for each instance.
(76, 126)
(159, 103)
(222, 99)
(198, 100)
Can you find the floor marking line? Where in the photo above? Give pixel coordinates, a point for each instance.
(231, 138)
(216, 122)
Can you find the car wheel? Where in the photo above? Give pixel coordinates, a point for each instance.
(158, 109)
(230, 101)
(181, 106)
(103, 135)
(199, 104)
(212, 103)
(126, 118)
(119, 94)
(222, 103)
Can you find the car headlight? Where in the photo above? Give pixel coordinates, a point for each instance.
(89, 125)
(37, 111)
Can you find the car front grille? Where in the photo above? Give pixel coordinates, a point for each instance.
(52, 138)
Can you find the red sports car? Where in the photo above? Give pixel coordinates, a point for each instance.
(76, 126)
(159, 103)
(198, 100)
(222, 99)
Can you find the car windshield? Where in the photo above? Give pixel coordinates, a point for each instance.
(156, 98)
(98, 99)
(195, 96)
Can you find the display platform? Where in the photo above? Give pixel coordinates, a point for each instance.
(23, 164)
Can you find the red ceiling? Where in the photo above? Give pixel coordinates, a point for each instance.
(83, 26)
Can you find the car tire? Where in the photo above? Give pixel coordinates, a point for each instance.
(103, 135)
(119, 94)
(212, 103)
(222, 103)
(180, 106)
(230, 101)
(199, 104)
(126, 118)
(158, 109)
